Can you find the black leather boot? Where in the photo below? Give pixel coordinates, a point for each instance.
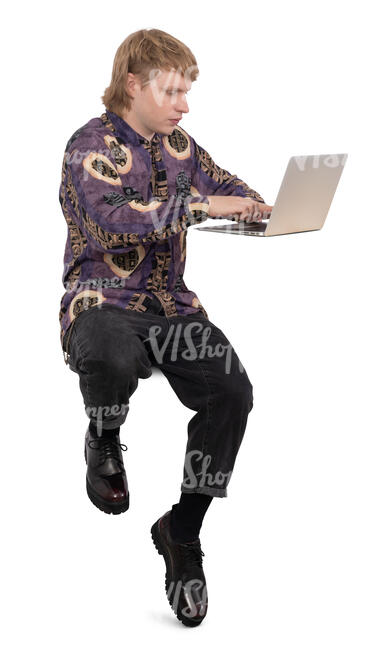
(106, 480)
(185, 582)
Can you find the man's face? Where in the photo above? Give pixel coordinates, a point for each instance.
(161, 100)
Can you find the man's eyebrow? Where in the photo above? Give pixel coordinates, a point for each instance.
(187, 90)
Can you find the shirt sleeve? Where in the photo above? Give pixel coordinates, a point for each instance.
(110, 211)
(208, 178)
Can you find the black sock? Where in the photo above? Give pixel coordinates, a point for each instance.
(187, 516)
(105, 432)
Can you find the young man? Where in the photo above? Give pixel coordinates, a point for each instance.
(133, 181)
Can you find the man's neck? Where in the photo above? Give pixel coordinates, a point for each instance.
(132, 120)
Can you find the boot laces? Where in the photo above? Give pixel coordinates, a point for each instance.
(108, 448)
(192, 553)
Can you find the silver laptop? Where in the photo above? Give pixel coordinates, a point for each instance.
(303, 200)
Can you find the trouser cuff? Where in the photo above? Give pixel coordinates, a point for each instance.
(211, 491)
(111, 423)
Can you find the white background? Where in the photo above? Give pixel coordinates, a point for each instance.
(289, 552)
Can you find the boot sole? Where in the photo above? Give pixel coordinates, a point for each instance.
(108, 507)
(156, 537)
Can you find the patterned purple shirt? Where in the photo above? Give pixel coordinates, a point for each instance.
(128, 202)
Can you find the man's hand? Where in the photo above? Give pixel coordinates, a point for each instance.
(238, 208)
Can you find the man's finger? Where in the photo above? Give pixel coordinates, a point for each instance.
(264, 207)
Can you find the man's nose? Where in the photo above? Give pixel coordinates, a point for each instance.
(182, 106)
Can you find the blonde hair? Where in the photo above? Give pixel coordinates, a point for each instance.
(141, 52)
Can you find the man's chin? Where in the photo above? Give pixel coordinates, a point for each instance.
(170, 130)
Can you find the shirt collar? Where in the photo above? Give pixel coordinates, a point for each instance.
(128, 133)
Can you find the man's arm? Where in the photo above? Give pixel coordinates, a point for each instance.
(208, 178)
(115, 218)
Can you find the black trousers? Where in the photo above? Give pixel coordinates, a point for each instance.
(111, 348)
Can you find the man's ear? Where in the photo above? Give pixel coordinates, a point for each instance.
(130, 85)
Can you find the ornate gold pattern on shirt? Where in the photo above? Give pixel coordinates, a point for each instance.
(182, 185)
(177, 144)
(101, 168)
(120, 152)
(76, 238)
(71, 193)
(109, 240)
(142, 206)
(106, 121)
(72, 278)
(158, 279)
(137, 302)
(168, 303)
(85, 300)
(105, 238)
(158, 182)
(124, 264)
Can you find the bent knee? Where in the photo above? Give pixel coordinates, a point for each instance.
(238, 390)
(109, 367)
(119, 367)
